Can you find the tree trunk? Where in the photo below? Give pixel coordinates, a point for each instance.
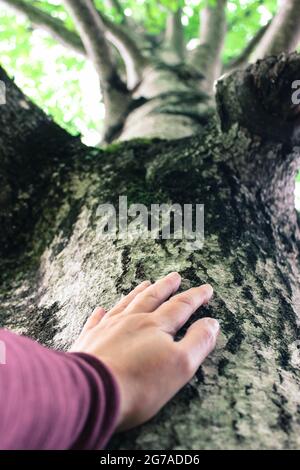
(169, 103)
(56, 265)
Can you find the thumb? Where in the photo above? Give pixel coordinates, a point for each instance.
(199, 340)
(94, 319)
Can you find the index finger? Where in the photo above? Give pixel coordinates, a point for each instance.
(155, 294)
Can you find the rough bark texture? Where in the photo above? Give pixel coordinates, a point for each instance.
(56, 267)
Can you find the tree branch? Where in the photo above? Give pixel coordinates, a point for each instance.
(52, 25)
(132, 56)
(207, 56)
(92, 32)
(116, 34)
(91, 28)
(283, 35)
(243, 58)
(174, 36)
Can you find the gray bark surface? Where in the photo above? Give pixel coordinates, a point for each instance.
(55, 266)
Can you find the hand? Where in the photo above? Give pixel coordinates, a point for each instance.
(135, 339)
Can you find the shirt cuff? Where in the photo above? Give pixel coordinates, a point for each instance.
(105, 404)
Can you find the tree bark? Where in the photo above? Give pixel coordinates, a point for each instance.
(168, 103)
(90, 26)
(134, 60)
(207, 56)
(174, 48)
(56, 266)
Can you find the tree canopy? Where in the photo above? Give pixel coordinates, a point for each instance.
(39, 63)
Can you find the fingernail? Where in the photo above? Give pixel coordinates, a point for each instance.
(174, 275)
(213, 325)
(208, 291)
(101, 309)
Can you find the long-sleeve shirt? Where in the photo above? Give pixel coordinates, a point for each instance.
(54, 400)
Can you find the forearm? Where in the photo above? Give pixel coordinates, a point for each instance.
(54, 400)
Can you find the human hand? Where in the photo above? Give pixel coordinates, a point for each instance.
(135, 339)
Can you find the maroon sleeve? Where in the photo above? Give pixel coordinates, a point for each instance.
(53, 400)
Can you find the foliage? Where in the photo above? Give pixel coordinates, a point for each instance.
(53, 76)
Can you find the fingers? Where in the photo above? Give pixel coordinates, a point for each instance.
(125, 301)
(198, 342)
(154, 295)
(94, 319)
(174, 313)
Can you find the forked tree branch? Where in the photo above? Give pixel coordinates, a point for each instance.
(94, 29)
(53, 26)
(207, 56)
(283, 35)
(116, 34)
(131, 54)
